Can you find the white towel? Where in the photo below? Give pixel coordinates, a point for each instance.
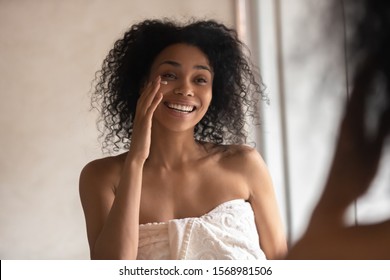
(226, 232)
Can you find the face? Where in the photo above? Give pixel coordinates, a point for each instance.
(188, 90)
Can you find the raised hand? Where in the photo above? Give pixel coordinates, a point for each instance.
(358, 151)
(146, 105)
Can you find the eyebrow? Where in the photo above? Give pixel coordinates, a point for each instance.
(176, 64)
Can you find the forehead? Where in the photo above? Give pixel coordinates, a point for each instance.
(184, 54)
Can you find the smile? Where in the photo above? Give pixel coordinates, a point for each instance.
(180, 108)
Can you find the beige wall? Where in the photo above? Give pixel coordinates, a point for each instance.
(49, 51)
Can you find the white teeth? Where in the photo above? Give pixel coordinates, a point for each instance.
(179, 107)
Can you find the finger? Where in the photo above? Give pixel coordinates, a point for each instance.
(147, 96)
(149, 93)
(155, 103)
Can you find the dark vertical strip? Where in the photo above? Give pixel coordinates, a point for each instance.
(348, 92)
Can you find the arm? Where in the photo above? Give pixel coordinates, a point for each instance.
(113, 217)
(263, 201)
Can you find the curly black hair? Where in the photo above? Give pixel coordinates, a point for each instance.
(236, 89)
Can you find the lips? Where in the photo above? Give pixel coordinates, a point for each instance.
(182, 108)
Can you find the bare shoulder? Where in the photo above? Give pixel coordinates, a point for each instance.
(104, 171)
(243, 158)
(98, 180)
(249, 164)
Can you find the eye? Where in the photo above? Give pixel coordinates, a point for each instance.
(168, 76)
(201, 81)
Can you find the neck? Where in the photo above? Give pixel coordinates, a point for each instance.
(171, 150)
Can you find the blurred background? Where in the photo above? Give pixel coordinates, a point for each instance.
(50, 50)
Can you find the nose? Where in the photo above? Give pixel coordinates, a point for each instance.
(183, 90)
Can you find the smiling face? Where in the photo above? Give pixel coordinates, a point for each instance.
(188, 90)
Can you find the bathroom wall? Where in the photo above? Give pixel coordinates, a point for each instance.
(50, 50)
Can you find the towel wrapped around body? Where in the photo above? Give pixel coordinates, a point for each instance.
(226, 232)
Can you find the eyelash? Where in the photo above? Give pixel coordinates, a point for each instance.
(171, 76)
(168, 76)
(201, 80)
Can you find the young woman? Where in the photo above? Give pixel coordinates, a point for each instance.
(176, 96)
(362, 145)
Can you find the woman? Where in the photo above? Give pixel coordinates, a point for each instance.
(362, 144)
(187, 188)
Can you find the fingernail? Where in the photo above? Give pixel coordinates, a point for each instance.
(164, 82)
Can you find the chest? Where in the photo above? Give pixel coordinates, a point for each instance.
(188, 192)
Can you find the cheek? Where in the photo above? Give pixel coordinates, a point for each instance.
(208, 97)
(166, 89)
(205, 105)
